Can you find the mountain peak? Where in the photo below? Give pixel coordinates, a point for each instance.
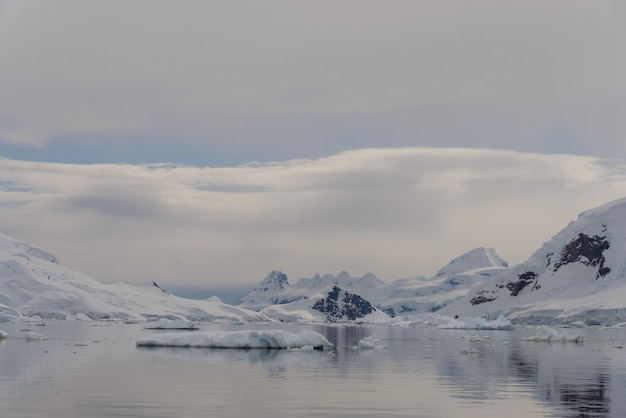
(275, 280)
(478, 258)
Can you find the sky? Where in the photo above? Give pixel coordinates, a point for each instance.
(203, 143)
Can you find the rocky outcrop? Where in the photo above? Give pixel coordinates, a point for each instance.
(522, 281)
(585, 250)
(340, 305)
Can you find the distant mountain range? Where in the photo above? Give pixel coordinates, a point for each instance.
(401, 297)
(579, 275)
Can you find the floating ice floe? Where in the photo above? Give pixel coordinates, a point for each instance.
(35, 336)
(237, 339)
(479, 323)
(165, 323)
(548, 334)
(369, 343)
(477, 338)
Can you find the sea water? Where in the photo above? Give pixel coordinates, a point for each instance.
(94, 369)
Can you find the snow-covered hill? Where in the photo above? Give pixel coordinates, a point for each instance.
(32, 282)
(580, 274)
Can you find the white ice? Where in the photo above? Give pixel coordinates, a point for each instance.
(445, 322)
(237, 339)
(165, 323)
(548, 334)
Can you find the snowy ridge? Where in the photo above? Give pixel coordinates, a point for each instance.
(266, 293)
(449, 284)
(273, 290)
(33, 283)
(476, 259)
(578, 275)
(401, 297)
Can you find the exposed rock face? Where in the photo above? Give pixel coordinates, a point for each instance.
(483, 296)
(340, 305)
(585, 250)
(522, 281)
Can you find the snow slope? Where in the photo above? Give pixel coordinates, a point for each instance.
(451, 283)
(580, 274)
(32, 282)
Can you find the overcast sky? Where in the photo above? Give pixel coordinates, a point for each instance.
(368, 136)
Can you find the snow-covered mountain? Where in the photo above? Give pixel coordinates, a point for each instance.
(32, 282)
(276, 290)
(273, 290)
(330, 305)
(401, 297)
(451, 283)
(580, 274)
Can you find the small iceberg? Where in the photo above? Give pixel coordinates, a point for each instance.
(35, 336)
(165, 323)
(369, 343)
(499, 324)
(547, 334)
(3, 335)
(237, 339)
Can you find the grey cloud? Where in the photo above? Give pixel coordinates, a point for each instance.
(394, 212)
(116, 203)
(279, 80)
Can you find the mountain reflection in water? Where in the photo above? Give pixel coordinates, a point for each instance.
(86, 370)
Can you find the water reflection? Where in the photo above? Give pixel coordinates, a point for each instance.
(427, 371)
(579, 380)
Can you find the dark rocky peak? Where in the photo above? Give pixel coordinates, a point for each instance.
(340, 305)
(585, 250)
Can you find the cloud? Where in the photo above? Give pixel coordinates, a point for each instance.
(396, 212)
(280, 80)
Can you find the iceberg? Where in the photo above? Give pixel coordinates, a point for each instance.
(547, 334)
(165, 323)
(499, 324)
(369, 343)
(237, 339)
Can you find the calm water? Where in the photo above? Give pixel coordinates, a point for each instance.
(95, 370)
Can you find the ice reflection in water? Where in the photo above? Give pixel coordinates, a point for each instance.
(82, 370)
